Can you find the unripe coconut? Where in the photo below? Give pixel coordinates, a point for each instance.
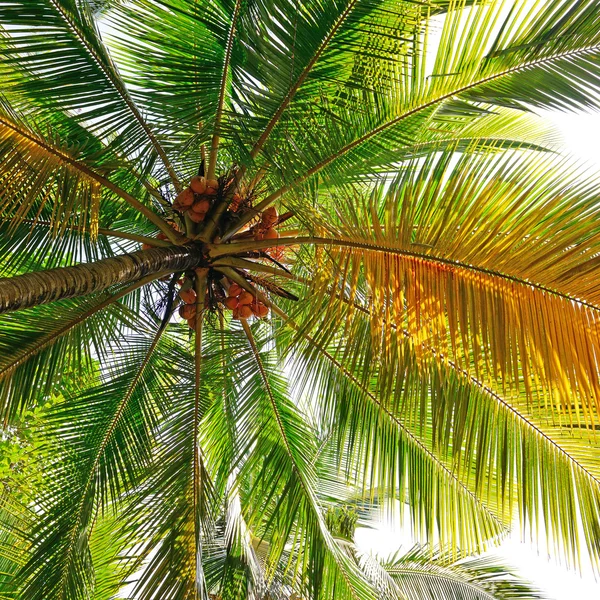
(245, 311)
(187, 311)
(269, 217)
(245, 298)
(201, 206)
(234, 290)
(184, 199)
(231, 303)
(271, 234)
(198, 184)
(188, 296)
(196, 217)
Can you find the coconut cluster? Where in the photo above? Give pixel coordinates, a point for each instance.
(195, 201)
(243, 304)
(221, 293)
(233, 297)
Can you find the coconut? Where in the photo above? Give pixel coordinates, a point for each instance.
(196, 217)
(188, 296)
(234, 290)
(201, 206)
(245, 311)
(231, 303)
(245, 298)
(269, 217)
(184, 200)
(192, 323)
(212, 184)
(259, 309)
(187, 311)
(271, 234)
(198, 184)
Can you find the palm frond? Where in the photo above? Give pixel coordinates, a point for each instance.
(39, 171)
(283, 490)
(484, 58)
(418, 575)
(58, 60)
(107, 437)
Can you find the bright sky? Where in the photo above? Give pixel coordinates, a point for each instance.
(581, 137)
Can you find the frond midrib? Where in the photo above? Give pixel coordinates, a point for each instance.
(120, 88)
(233, 248)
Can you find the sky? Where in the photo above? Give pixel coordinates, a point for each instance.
(580, 134)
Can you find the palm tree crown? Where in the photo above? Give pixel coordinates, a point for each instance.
(269, 265)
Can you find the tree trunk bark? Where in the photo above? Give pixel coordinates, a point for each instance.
(24, 291)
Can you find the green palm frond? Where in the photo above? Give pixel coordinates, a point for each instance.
(484, 57)
(114, 422)
(417, 575)
(59, 61)
(284, 488)
(382, 451)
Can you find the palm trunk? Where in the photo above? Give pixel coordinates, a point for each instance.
(42, 287)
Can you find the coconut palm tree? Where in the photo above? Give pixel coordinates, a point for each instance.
(388, 283)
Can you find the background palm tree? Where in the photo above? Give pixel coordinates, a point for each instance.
(430, 282)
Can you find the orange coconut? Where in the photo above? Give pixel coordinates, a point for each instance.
(187, 311)
(269, 217)
(198, 184)
(201, 206)
(188, 296)
(231, 303)
(234, 290)
(259, 309)
(245, 298)
(245, 311)
(184, 200)
(196, 217)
